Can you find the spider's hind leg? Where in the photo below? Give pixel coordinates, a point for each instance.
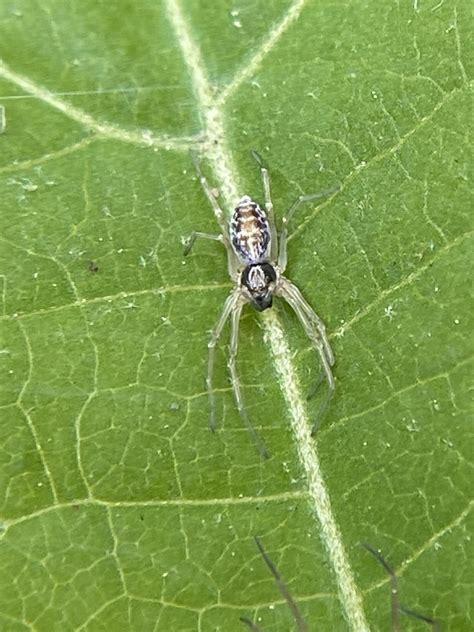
(331, 386)
(268, 205)
(232, 309)
(282, 256)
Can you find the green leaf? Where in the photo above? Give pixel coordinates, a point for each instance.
(119, 509)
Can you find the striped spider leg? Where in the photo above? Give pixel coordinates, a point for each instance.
(395, 606)
(301, 625)
(256, 261)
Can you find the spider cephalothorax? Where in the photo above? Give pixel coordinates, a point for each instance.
(256, 262)
(260, 281)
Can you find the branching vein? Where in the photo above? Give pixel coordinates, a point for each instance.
(143, 137)
(220, 159)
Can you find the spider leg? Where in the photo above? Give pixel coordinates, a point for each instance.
(435, 625)
(314, 389)
(229, 305)
(282, 256)
(189, 242)
(232, 261)
(268, 205)
(234, 343)
(292, 290)
(314, 329)
(311, 314)
(210, 194)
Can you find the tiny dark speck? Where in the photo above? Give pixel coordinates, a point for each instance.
(93, 267)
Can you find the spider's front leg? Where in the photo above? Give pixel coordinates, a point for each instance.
(316, 332)
(210, 194)
(232, 262)
(188, 243)
(301, 625)
(234, 344)
(229, 305)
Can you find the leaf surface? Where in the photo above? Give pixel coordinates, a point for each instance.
(119, 508)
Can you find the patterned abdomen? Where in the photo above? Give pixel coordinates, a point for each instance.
(249, 231)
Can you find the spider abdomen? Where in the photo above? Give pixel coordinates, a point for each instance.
(249, 231)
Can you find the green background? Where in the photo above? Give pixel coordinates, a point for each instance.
(119, 510)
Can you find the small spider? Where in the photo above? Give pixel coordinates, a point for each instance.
(256, 265)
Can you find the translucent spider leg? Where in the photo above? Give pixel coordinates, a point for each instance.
(229, 305)
(316, 333)
(282, 256)
(189, 242)
(234, 344)
(283, 588)
(395, 605)
(251, 625)
(232, 262)
(268, 205)
(218, 212)
(311, 315)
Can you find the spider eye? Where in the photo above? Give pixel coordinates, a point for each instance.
(262, 301)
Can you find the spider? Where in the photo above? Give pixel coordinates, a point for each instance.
(256, 263)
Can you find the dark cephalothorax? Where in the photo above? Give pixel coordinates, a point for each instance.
(259, 279)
